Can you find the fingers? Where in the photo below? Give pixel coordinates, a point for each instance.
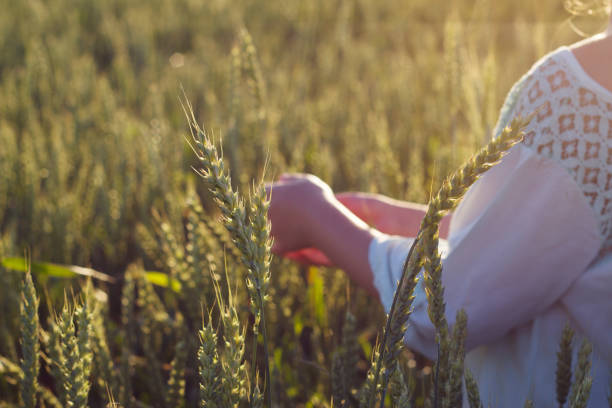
(289, 179)
(305, 256)
(282, 179)
(309, 256)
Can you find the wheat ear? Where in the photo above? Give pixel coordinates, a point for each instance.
(247, 224)
(75, 369)
(176, 381)
(210, 368)
(471, 388)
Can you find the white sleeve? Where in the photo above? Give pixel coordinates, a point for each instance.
(522, 235)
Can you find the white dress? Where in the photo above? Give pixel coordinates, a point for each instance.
(530, 245)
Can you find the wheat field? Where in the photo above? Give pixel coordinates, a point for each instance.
(129, 279)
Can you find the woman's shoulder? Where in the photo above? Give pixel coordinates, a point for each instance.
(562, 74)
(548, 78)
(572, 126)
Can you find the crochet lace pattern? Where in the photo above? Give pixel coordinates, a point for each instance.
(573, 126)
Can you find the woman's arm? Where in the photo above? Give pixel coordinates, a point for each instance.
(393, 217)
(344, 238)
(305, 214)
(533, 236)
(311, 225)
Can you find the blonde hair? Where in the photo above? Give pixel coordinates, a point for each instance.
(597, 9)
(589, 7)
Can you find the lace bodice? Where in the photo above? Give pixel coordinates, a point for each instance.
(573, 126)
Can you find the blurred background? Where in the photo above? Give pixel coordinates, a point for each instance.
(382, 96)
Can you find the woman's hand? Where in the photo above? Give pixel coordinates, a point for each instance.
(310, 225)
(295, 201)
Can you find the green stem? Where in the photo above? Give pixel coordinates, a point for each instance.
(253, 361)
(384, 389)
(262, 326)
(436, 379)
(389, 319)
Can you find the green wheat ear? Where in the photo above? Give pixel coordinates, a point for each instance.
(247, 223)
(210, 369)
(76, 362)
(398, 388)
(102, 359)
(371, 386)
(252, 71)
(471, 388)
(28, 386)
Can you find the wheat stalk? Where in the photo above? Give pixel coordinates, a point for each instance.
(28, 385)
(371, 386)
(128, 304)
(338, 380)
(247, 224)
(471, 388)
(344, 363)
(176, 380)
(257, 398)
(424, 252)
(456, 361)
(563, 376)
(582, 381)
